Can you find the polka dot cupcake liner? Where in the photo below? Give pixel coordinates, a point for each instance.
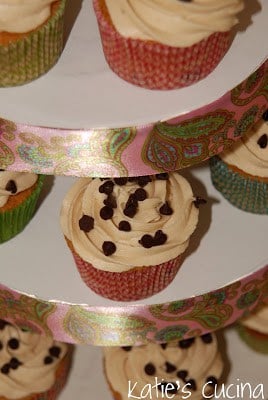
(156, 66)
(246, 192)
(135, 284)
(255, 340)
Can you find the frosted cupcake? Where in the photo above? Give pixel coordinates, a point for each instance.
(31, 39)
(178, 370)
(241, 173)
(128, 235)
(32, 366)
(165, 44)
(19, 192)
(254, 329)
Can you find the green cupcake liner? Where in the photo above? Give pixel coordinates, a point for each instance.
(14, 221)
(28, 58)
(245, 193)
(255, 341)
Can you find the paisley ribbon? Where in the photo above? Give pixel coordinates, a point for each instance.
(138, 150)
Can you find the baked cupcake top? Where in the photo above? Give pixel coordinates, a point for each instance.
(12, 183)
(258, 320)
(28, 361)
(250, 153)
(116, 224)
(17, 16)
(191, 365)
(178, 23)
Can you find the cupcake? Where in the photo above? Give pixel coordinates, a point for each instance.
(128, 235)
(19, 192)
(189, 368)
(165, 44)
(32, 366)
(241, 173)
(253, 329)
(31, 39)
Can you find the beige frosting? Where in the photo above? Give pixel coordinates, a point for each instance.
(247, 154)
(32, 375)
(20, 16)
(84, 198)
(124, 368)
(258, 320)
(173, 22)
(22, 181)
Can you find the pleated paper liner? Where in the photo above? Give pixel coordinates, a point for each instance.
(26, 57)
(18, 212)
(246, 192)
(156, 66)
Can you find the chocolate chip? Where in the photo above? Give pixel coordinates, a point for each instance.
(160, 238)
(147, 241)
(120, 181)
(13, 343)
(55, 351)
(48, 360)
(263, 141)
(167, 387)
(165, 209)
(207, 338)
(132, 201)
(107, 187)
(212, 381)
(199, 201)
(3, 324)
(5, 369)
(143, 180)
(191, 384)
(186, 343)
(182, 374)
(140, 194)
(108, 248)
(11, 187)
(130, 211)
(170, 367)
(86, 223)
(265, 115)
(124, 226)
(163, 345)
(110, 201)
(127, 348)
(14, 363)
(106, 213)
(162, 177)
(150, 369)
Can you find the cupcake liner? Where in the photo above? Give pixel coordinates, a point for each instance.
(255, 340)
(156, 66)
(31, 56)
(244, 191)
(61, 375)
(14, 221)
(135, 284)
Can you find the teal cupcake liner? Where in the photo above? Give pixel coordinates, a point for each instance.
(28, 58)
(254, 340)
(247, 193)
(14, 221)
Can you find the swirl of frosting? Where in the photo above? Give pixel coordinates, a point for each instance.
(12, 183)
(28, 361)
(18, 16)
(196, 361)
(258, 320)
(250, 153)
(148, 219)
(175, 23)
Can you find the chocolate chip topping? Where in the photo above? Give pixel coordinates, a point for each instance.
(167, 387)
(162, 177)
(110, 201)
(165, 209)
(120, 181)
(124, 226)
(13, 343)
(3, 324)
(143, 180)
(199, 201)
(147, 241)
(160, 238)
(106, 213)
(5, 369)
(11, 187)
(182, 374)
(207, 338)
(14, 363)
(150, 369)
(186, 343)
(108, 248)
(107, 187)
(191, 384)
(265, 115)
(86, 223)
(48, 360)
(212, 381)
(163, 345)
(127, 348)
(140, 194)
(170, 367)
(55, 351)
(263, 141)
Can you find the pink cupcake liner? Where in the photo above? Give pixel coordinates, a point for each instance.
(156, 66)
